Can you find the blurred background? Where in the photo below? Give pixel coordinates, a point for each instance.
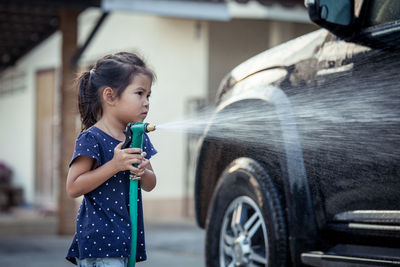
(190, 45)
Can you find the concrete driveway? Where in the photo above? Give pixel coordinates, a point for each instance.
(178, 244)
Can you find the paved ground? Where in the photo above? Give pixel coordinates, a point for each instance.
(178, 244)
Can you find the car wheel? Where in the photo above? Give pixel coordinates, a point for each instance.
(245, 223)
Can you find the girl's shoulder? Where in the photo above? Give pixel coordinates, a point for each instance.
(95, 136)
(90, 135)
(148, 146)
(88, 144)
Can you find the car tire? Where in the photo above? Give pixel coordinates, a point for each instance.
(245, 223)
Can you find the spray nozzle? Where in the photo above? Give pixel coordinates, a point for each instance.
(140, 128)
(149, 127)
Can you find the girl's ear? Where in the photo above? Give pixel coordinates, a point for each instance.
(108, 96)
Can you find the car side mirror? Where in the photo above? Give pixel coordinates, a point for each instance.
(336, 16)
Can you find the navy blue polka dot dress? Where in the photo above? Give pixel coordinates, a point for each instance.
(103, 226)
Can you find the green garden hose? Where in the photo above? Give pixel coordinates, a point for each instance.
(134, 138)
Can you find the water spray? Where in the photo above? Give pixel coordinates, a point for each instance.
(134, 139)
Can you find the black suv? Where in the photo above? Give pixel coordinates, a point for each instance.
(316, 181)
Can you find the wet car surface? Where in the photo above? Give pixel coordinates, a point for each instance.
(313, 175)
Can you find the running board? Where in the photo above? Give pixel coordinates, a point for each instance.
(352, 256)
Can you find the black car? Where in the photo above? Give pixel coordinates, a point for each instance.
(300, 163)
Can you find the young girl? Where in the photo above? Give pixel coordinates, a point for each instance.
(113, 93)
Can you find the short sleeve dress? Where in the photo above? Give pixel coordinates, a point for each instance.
(103, 226)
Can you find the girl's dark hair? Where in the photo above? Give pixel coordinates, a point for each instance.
(116, 71)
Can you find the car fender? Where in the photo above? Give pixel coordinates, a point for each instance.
(302, 224)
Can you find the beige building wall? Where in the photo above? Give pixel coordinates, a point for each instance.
(233, 42)
(17, 113)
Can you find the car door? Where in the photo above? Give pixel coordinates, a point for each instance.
(349, 120)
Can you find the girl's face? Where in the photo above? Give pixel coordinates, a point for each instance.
(133, 104)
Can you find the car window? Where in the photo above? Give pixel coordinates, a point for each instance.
(382, 11)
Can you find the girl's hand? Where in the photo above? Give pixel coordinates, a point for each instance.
(123, 159)
(142, 166)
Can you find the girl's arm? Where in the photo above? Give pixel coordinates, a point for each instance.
(148, 180)
(82, 178)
